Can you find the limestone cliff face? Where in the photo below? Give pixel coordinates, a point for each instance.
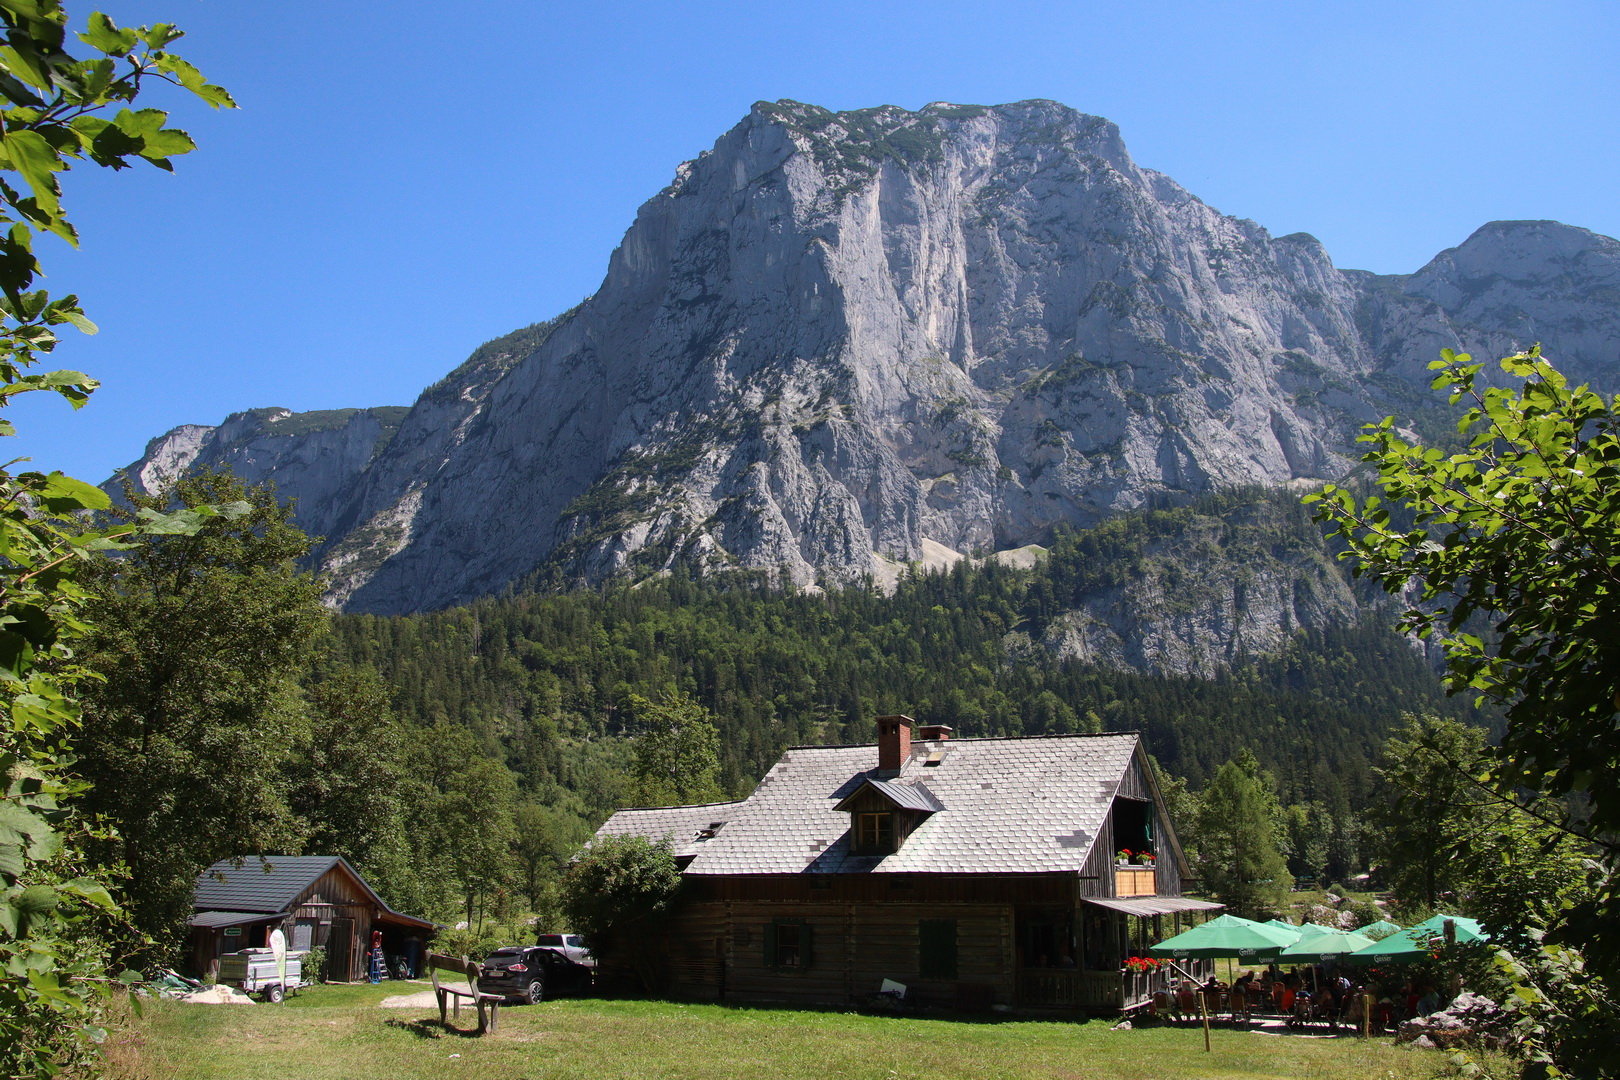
(1508, 286)
(837, 340)
(314, 458)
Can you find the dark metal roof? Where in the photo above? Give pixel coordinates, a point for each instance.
(273, 883)
(213, 920)
(270, 883)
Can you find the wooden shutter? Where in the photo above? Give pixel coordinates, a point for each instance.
(770, 946)
(936, 948)
(806, 953)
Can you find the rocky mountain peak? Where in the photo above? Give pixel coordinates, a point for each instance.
(838, 340)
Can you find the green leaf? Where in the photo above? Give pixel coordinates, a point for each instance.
(24, 67)
(169, 142)
(104, 36)
(16, 91)
(62, 492)
(90, 891)
(38, 161)
(12, 863)
(192, 79)
(36, 899)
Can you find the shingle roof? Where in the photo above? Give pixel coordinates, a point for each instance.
(683, 826)
(268, 885)
(1031, 805)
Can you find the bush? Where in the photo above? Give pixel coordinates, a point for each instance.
(315, 964)
(619, 887)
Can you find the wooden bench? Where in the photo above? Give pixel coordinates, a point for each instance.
(437, 962)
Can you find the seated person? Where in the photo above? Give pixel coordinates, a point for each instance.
(1327, 1006)
(1354, 1014)
(1302, 1005)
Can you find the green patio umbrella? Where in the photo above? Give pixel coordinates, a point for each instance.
(1315, 948)
(1307, 929)
(1467, 929)
(1228, 936)
(1282, 924)
(1410, 946)
(1379, 930)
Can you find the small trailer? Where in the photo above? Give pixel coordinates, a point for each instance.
(254, 972)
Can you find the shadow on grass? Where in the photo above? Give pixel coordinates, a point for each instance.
(875, 1012)
(432, 1029)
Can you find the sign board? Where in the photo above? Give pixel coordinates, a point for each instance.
(278, 948)
(233, 931)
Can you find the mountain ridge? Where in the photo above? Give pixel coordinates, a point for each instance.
(837, 337)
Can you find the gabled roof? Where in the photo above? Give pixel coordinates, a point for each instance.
(1015, 806)
(273, 883)
(914, 796)
(687, 828)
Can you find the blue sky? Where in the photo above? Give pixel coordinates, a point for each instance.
(407, 180)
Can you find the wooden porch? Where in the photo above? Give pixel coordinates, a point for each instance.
(1100, 991)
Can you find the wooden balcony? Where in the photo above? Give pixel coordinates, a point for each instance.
(1134, 881)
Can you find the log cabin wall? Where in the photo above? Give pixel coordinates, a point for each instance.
(882, 888)
(1133, 785)
(1097, 875)
(718, 951)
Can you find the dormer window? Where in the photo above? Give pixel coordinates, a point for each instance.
(874, 833)
(884, 812)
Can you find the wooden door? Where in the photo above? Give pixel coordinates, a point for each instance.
(340, 951)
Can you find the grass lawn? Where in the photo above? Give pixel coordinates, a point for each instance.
(327, 1033)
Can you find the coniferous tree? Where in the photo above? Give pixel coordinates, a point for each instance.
(1240, 861)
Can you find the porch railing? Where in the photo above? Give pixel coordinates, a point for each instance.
(1099, 990)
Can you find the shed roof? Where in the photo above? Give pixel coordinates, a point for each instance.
(268, 884)
(687, 828)
(1025, 805)
(213, 920)
(273, 883)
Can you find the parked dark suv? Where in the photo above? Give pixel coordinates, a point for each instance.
(531, 973)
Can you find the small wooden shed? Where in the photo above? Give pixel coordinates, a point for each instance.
(315, 900)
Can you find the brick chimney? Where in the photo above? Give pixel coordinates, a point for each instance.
(894, 742)
(934, 732)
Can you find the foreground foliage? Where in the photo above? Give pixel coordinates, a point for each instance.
(617, 892)
(1522, 527)
(53, 963)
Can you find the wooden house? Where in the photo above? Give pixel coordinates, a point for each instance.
(314, 900)
(979, 873)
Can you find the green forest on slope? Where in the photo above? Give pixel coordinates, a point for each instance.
(542, 680)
